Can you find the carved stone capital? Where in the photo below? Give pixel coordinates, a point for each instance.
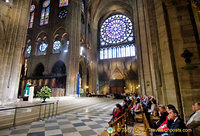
(196, 4)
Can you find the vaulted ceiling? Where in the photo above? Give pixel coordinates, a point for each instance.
(101, 9)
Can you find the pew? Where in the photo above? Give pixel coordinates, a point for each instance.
(120, 123)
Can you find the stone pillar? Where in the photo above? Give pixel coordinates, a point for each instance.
(74, 49)
(15, 16)
(182, 36)
(93, 64)
(143, 47)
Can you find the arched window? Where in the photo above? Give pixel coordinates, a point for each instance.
(82, 7)
(110, 53)
(132, 48)
(44, 19)
(65, 43)
(28, 49)
(105, 53)
(101, 53)
(42, 47)
(127, 51)
(118, 52)
(31, 16)
(56, 46)
(63, 3)
(117, 33)
(114, 53)
(123, 51)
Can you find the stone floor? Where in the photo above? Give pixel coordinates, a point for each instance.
(85, 121)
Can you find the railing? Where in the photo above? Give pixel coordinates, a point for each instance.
(52, 110)
(146, 123)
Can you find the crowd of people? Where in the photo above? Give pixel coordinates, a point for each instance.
(169, 123)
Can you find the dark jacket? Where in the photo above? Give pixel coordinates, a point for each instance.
(124, 107)
(178, 125)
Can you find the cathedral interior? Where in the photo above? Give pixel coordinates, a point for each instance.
(151, 47)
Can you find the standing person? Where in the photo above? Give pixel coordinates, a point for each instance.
(27, 89)
(194, 121)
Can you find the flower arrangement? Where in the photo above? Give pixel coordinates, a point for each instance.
(45, 92)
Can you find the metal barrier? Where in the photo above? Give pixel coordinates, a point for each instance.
(40, 110)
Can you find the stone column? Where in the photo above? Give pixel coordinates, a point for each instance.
(93, 63)
(15, 17)
(143, 47)
(74, 49)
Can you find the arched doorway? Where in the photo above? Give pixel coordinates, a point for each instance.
(59, 74)
(38, 70)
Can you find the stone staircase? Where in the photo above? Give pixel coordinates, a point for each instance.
(28, 115)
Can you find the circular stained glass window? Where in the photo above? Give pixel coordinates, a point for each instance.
(32, 8)
(43, 47)
(62, 14)
(116, 29)
(46, 3)
(56, 45)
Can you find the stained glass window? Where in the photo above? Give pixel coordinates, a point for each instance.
(116, 29)
(118, 52)
(46, 16)
(42, 49)
(65, 46)
(105, 53)
(56, 46)
(114, 53)
(117, 33)
(82, 7)
(31, 16)
(46, 3)
(132, 48)
(62, 14)
(123, 51)
(127, 51)
(28, 51)
(110, 53)
(101, 54)
(63, 3)
(44, 19)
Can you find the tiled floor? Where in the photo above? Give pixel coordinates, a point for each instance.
(87, 121)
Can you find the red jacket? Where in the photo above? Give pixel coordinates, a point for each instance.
(118, 113)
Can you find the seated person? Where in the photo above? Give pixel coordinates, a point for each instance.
(117, 113)
(137, 106)
(124, 105)
(153, 111)
(167, 123)
(178, 124)
(163, 115)
(128, 100)
(194, 121)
